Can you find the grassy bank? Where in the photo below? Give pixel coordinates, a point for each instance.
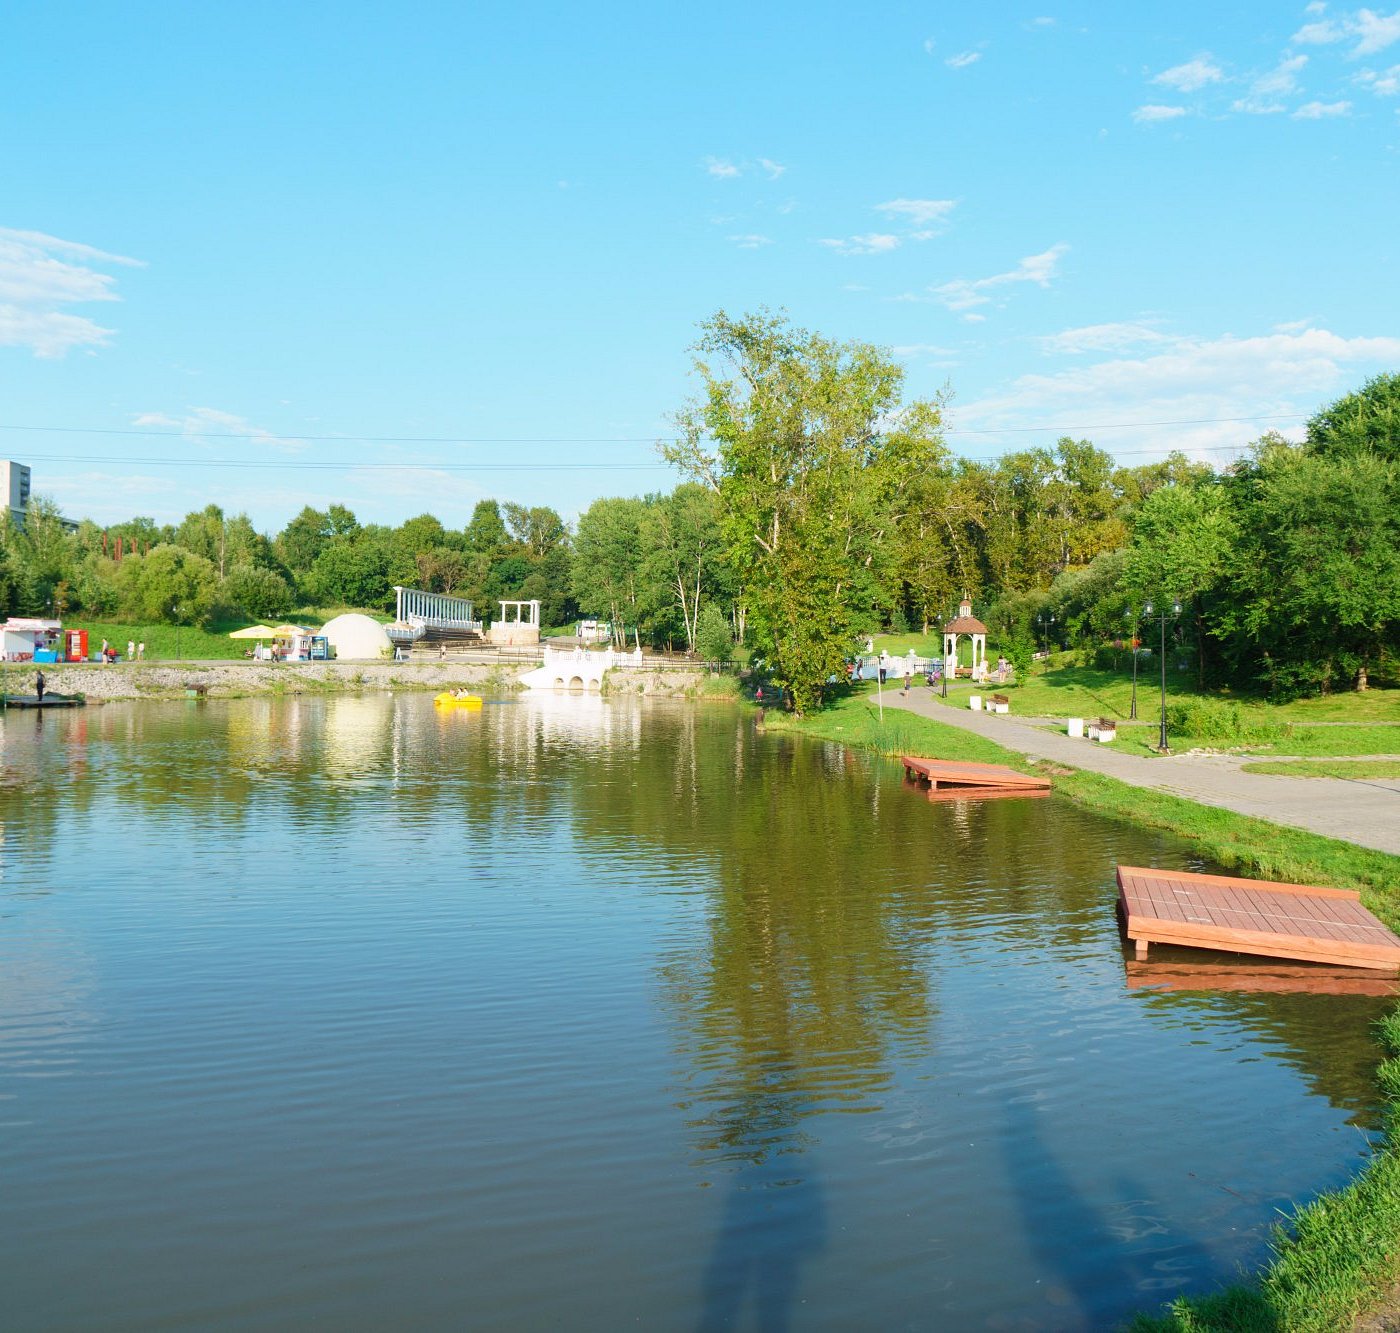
(1341, 1254)
(1269, 851)
(191, 643)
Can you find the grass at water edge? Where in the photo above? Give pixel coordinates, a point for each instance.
(1339, 1255)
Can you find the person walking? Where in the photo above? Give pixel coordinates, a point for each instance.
(39, 685)
(908, 684)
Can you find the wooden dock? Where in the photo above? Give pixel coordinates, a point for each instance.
(949, 781)
(48, 701)
(1296, 921)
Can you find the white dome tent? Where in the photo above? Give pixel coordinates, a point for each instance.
(353, 636)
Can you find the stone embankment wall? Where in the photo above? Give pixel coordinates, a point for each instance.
(154, 680)
(663, 682)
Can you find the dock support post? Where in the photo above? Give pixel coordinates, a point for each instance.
(1141, 951)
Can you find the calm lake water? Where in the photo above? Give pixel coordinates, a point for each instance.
(588, 1015)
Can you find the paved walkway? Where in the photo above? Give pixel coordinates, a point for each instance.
(1363, 811)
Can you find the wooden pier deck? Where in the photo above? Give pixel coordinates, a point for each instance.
(48, 701)
(948, 781)
(1296, 921)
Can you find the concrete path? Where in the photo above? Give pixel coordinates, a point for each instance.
(1363, 811)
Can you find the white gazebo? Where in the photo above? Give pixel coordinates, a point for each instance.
(965, 623)
(519, 623)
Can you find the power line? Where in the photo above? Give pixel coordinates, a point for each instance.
(279, 464)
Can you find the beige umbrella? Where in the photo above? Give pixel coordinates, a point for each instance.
(254, 632)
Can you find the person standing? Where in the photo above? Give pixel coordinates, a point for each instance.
(908, 683)
(141, 651)
(130, 650)
(39, 685)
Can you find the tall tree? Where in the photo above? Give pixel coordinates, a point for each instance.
(608, 559)
(1366, 421)
(806, 447)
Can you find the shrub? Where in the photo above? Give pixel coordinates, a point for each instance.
(713, 640)
(1221, 723)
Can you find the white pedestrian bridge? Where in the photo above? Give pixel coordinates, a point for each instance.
(577, 668)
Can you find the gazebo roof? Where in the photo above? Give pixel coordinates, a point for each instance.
(964, 625)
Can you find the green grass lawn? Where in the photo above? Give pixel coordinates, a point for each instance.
(1336, 768)
(166, 643)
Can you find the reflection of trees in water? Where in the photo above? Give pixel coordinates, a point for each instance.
(1328, 1039)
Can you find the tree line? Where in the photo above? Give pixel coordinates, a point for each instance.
(819, 506)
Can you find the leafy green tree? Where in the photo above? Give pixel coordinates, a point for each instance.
(1315, 594)
(542, 541)
(1366, 421)
(256, 592)
(714, 640)
(351, 571)
(170, 584)
(683, 548)
(810, 455)
(303, 539)
(607, 559)
(1185, 539)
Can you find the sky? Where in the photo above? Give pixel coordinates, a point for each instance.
(409, 257)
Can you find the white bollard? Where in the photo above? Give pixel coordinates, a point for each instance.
(975, 703)
(1076, 726)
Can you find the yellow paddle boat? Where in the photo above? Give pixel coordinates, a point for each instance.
(452, 699)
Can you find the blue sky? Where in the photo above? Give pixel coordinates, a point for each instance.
(409, 256)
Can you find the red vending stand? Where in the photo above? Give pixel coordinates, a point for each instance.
(75, 645)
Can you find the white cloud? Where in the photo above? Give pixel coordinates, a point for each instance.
(1371, 31)
(1315, 7)
(725, 168)
(1321, 110)
(1376, 31)
(39, 274)
(928, 216)
(1319, 34)
(209, 425)
(751, 241)
(1101, 338)
(1192, 75)
(1146, 115)
(929, 45)
(967, 293)
(1185, 380)
(963, 59)
(1042, 23)
(1384, 83)
(872, 243)
(1283, 78)
(909, 350)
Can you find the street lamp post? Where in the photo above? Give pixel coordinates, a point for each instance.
(1132, 648)
(179, 611)
(1162, 622)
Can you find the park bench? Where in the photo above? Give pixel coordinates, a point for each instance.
(1103, 729)
(997, 703)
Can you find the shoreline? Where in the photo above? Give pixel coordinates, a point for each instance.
(235, 679)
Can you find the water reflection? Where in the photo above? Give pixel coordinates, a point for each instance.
(592, 1013)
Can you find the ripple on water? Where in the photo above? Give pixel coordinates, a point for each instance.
(584, 1013)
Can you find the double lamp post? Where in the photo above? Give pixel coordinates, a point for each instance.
(1148, 613)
